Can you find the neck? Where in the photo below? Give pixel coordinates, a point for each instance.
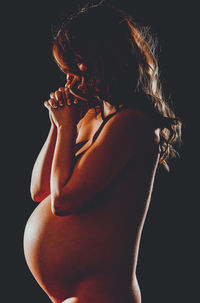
(108, 108)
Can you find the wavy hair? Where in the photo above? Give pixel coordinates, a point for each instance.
(121, 66)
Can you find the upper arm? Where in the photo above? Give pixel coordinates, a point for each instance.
(124, 135)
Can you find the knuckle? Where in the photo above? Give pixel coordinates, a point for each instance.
(57, 95)
(46, 104)
(52, 95)
(51, 102)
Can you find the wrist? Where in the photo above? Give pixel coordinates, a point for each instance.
(69, 131)
(53, 129)
(53, 126)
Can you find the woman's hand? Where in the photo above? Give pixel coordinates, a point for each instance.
(65, 109)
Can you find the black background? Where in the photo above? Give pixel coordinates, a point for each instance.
(166, 265)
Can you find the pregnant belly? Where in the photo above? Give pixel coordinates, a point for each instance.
(62, 251)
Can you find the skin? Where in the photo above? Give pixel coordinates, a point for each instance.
(81, 243)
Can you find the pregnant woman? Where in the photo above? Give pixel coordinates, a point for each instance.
(110, 130)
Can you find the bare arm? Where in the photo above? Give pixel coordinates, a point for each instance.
(41, 174)
(40, 179)
(124, 135)
(63, 161)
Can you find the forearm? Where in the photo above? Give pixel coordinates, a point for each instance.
(40, 179)
(63, 162)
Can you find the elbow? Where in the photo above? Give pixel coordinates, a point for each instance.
(60, 208)
(38, 196)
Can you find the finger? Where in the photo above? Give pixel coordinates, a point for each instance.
(75, 101)
(53, 103)
(47, 105)
(67, 95)
(69, 77)
(54, 100)
(72, 82)
(62, 90)
(69, 80)
(59, 98)
(52, 95)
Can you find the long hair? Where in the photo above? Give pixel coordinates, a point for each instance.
(121, 66)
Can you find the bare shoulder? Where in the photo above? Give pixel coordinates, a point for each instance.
(134, 116)
(138, 126)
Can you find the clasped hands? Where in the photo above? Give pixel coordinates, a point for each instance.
(66, 108)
